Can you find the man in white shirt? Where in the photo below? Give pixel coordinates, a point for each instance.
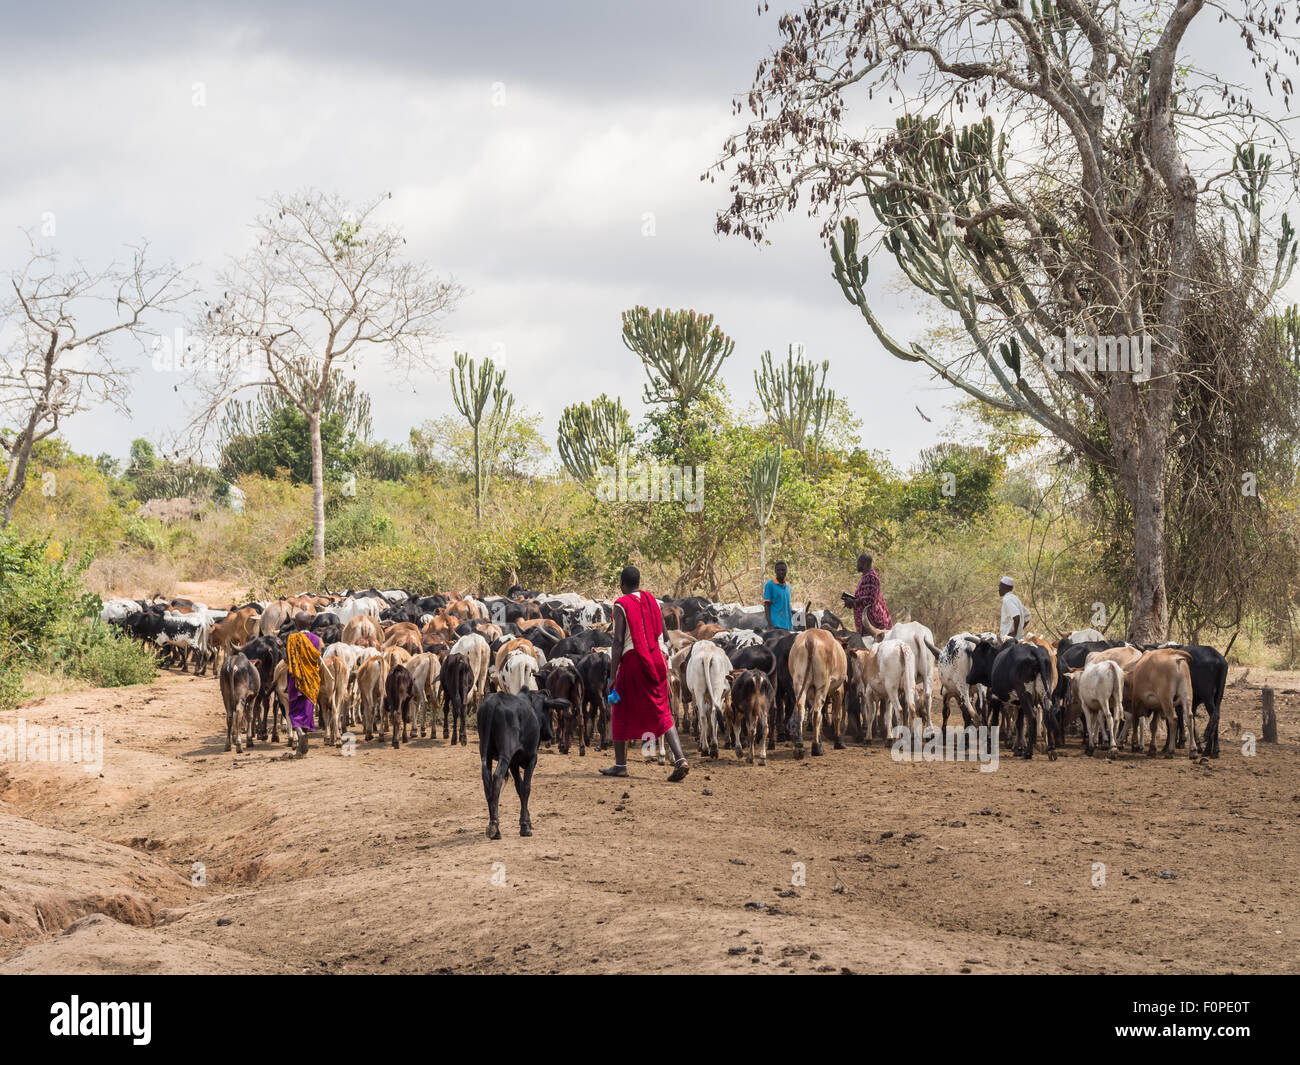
(1015, 618)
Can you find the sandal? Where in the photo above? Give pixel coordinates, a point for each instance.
(614, 770)
(680, 769)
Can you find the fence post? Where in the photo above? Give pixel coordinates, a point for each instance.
(1269, 731)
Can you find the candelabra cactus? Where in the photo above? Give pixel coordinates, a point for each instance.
(761, 485)
(682, 352)
(471, 388)
(796, 402)
(592, 434)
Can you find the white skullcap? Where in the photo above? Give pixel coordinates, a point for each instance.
(1008, 582)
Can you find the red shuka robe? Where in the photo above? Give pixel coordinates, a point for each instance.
(642, 679)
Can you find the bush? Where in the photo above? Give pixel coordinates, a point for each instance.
(354, 525)
(99, 655)
(48, 620)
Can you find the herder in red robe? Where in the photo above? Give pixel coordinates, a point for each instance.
(640, 671)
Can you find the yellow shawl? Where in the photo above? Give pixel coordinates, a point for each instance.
(304, 664)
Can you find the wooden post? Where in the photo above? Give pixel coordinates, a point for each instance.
(1270, 718)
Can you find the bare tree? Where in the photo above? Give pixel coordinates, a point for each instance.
(1077, 207)
(324, 288)
(56, 355)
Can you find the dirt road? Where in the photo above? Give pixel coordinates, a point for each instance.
(379, 862)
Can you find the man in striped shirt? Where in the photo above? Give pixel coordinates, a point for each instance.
(867, 602)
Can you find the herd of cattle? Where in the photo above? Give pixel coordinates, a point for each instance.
(392, 660)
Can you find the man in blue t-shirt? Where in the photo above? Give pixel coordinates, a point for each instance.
(776, 600)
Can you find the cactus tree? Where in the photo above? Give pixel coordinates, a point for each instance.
(682, 352)
(796, 402)
(471, 389)
(592, 434)
(761, 485)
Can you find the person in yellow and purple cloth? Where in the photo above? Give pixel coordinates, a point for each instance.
(302, 654)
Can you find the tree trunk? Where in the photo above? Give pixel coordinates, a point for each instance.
(317, 491)
(1149, 622)
(16, 476)
(762, 550)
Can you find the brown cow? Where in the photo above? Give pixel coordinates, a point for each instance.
(363, 625)
(441, 624)
(234, 630)
(818, 669)
(1160, 680)
(750, 704)
(517, 644)
(332, 697)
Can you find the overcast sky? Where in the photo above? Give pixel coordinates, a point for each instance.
(610, 111)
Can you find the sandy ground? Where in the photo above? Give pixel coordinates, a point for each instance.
(379, 862)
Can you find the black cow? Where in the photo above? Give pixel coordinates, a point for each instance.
(509, 729)
(756, 656)
(264, 652)
(695, 609)
(542, 638)
(144, 625)
(399, 691)
(1073, 656)
(780, 646)
(456, 680)
(564, 686)
(1008, 671)
(407, 611)
(594, 670)
(240, 682)
(579, 644)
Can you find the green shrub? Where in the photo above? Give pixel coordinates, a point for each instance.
(48, 621)
(99, 655)
(355, 524)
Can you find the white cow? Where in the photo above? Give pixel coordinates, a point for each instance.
(1100, 690)
(479, 652)
(519, 673)
(706, 678)
(954, 664)
(885, 675)
(925, 655)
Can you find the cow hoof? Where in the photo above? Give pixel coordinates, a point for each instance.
(740, 754)
(839, 745)
(817, 750)
(463, 741)
(798, 753)
(227, 747)
(663, 758)
(713, 750)
(1051, 755)
(1111, 753)
(582, 752)
(494, 830)
(762, 761)
(525, 830)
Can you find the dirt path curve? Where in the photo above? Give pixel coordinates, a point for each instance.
(379, 862)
